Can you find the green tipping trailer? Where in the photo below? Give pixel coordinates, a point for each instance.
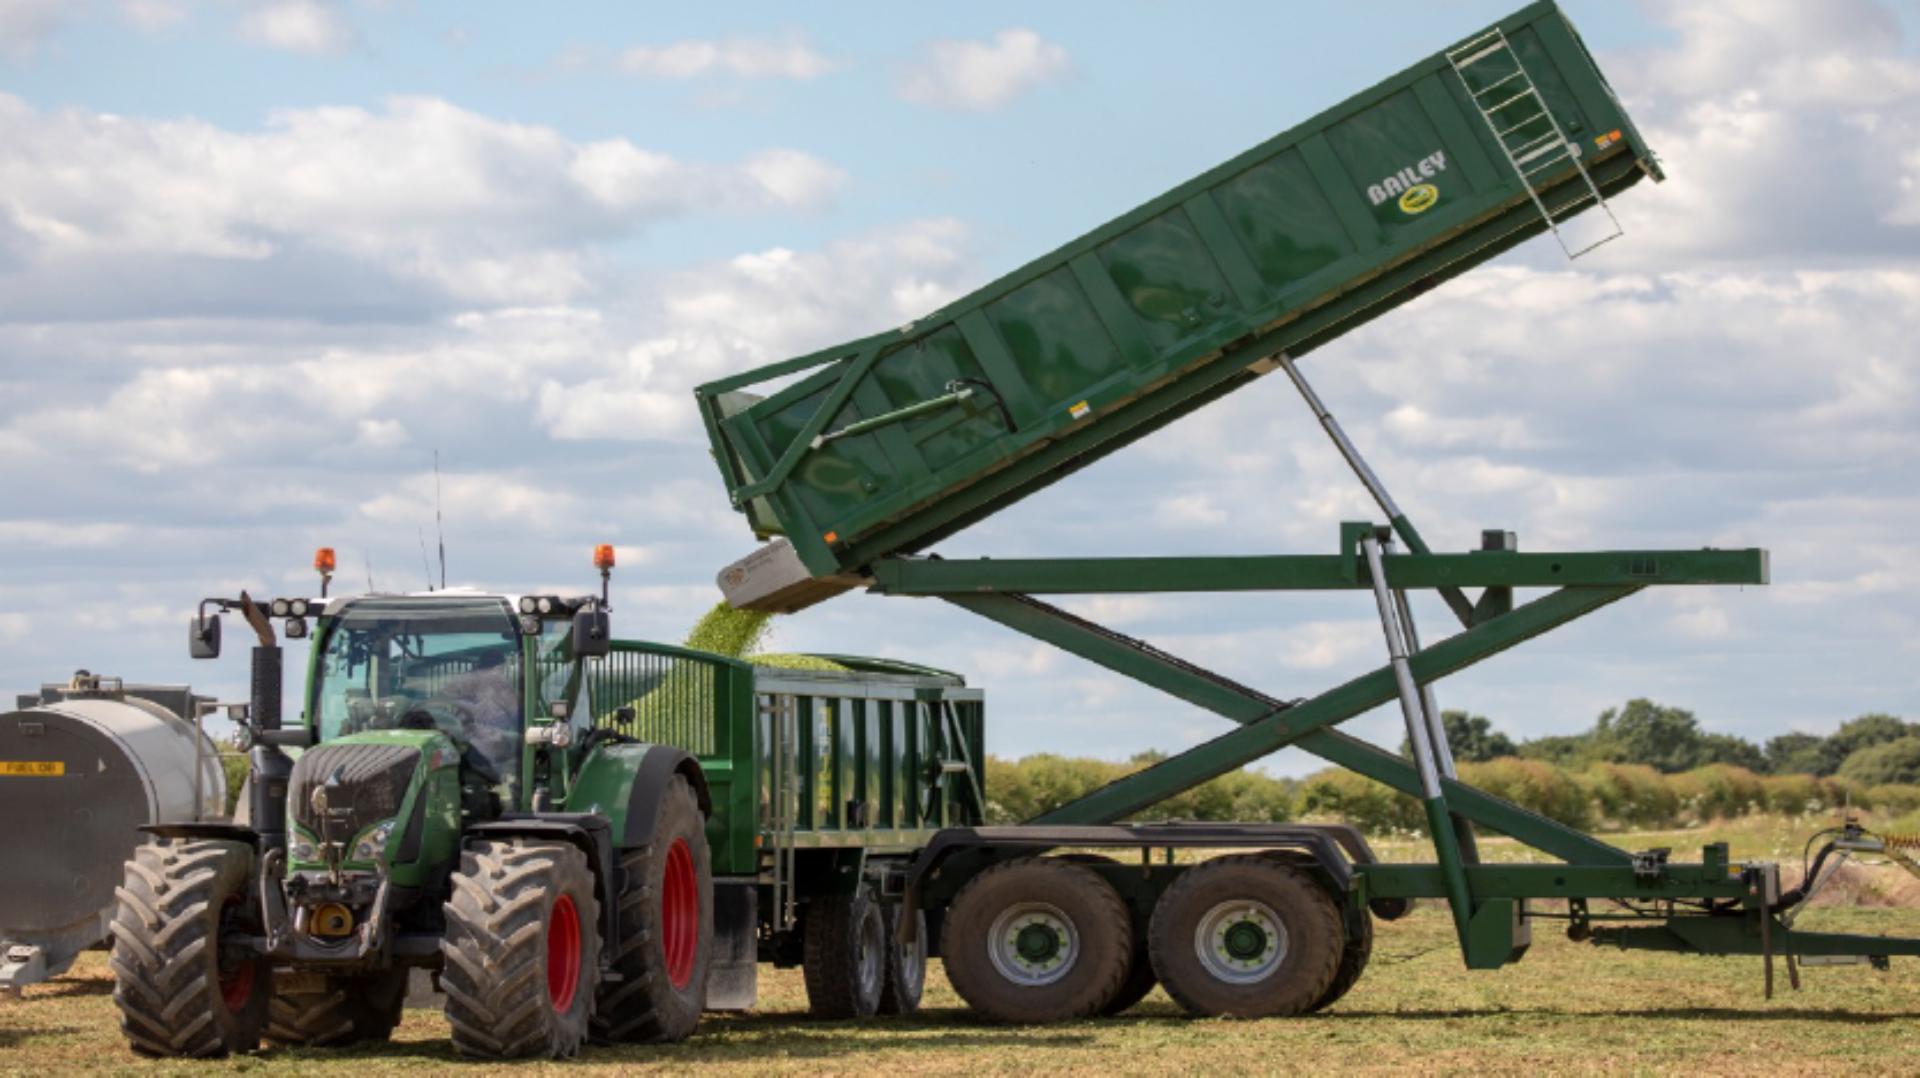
(880, 447)
(897, 440)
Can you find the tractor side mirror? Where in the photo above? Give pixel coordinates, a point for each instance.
(592, 632)
(203, 636)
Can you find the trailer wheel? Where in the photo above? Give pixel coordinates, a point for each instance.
(522, 950)
(666, 929)
(311, 1010)
(1037, 940)
(846, 950)
(1247, 937)
(1140, 976)
(906, 976)
(1353, 962)
(184, 984)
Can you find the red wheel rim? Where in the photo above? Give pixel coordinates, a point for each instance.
(680, 914)
(563, 953)
(236, 986)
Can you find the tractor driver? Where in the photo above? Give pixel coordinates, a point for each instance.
(488, 705)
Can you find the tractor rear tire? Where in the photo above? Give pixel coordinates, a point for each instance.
(1037, 940)
(1353, 962)
(182, 988)
(310, 1010)
(845, 945)
(1246, 937)
(522, 950)
(906, 964)
(666, 929)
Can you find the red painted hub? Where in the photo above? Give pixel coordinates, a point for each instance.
(236, 985)
(680, 914)
(563, 953)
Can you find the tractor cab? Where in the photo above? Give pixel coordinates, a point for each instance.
(465, 665)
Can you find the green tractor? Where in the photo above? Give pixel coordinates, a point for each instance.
(452, 808)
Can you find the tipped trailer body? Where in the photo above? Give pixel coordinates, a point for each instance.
(876, 449)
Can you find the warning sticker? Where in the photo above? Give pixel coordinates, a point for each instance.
(1080, 410)
(33, 767)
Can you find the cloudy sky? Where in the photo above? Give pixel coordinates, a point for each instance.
(260, 259)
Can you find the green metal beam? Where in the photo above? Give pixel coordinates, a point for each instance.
(1267, 730)
(1536, 881)
(1315, 572)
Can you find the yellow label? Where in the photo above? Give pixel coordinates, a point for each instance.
(1419, 198)
(33, 767)
(1079, 411)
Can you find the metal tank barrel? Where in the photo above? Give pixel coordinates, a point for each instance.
(81, 769)
(885, 445)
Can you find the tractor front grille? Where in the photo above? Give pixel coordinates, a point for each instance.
(372, 781)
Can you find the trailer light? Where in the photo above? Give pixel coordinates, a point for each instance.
(603, 557)
(323, 560)
(526, 604)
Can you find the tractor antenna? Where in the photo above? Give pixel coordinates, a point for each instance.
(439, 527)
(425, 569)
(368, 558)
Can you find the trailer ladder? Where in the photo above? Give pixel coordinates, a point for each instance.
(1527, 132)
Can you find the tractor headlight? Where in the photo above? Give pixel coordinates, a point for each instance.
(280, 608)
(527, 605)
(302, 849)
(373, 840)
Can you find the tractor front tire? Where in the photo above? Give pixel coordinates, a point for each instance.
(312, 1010)
(666, 929)
(522, 950)
(1037, 940)
(845, 964)
(182, 986)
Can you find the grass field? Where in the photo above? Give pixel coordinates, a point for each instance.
(1566, 1008)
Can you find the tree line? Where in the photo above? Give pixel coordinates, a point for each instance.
(1640, 765)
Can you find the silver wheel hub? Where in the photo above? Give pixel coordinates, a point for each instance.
(1033, 943)
(1240, 942)
(870, 952)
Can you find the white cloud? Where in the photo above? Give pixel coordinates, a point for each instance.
(152, 15)
(304, 26)
(978, 75)
(746, 58)
(24, 24)
(475, 208)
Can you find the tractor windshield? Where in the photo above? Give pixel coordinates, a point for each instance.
(451, 665)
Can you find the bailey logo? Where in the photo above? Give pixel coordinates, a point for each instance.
(1410, 179)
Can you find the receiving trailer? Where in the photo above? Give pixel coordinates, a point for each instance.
(876, 449)
(579, 837)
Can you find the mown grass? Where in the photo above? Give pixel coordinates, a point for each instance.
(1567, 1008)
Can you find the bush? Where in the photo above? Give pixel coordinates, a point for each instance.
(1360, 801)
(1630, 795)
(1892, 797)
(1535, 785)
(1718, 792)
(1897, 760)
